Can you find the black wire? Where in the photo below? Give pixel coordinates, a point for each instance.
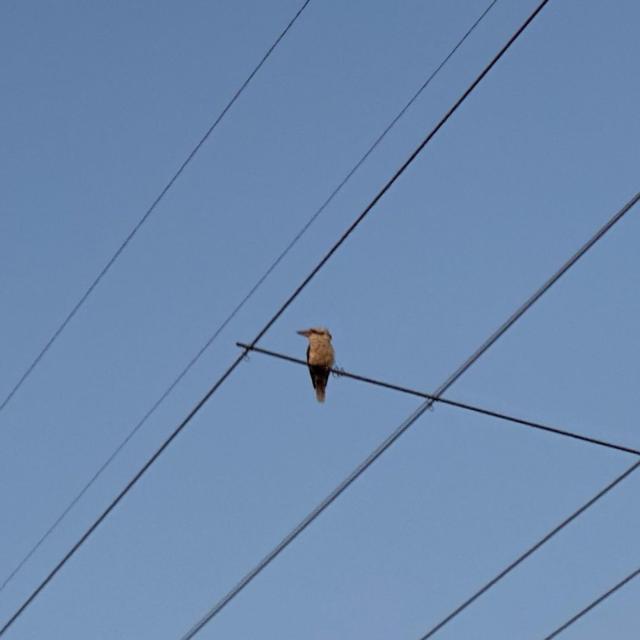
(399, 431)
(240, 305)
(453, 403)
(595, 603)
(270, 323)
(616, 218)
(458, 610)
(292, 535)
(148, 212)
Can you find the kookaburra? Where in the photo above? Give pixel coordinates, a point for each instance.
(320, 358)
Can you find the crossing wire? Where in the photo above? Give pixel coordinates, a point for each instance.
(530, 551)
(277, 315)
(453, 403)
(400, 430)
(595, 603)
(147, 213)
(239, 306)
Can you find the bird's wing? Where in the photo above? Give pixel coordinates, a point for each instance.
(311, 369)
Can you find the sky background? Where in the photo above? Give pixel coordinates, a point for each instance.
(101, 102)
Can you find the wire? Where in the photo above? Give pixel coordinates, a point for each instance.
(270, 323)
(452, 403)
(408, 422)
(239, 306)
(521, 558)
(594, 604)
(148, 212)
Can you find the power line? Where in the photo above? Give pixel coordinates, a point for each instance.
(453, 403)
(269, 324)
(273, 319)
(434, 399)
(408, 422)
(450, 381)
(521, 558)
(594, 604)
(147, 213)
(240, 305)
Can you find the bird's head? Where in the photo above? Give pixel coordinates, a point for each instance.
(318, 331)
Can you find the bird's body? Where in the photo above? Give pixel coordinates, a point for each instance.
(320, 358)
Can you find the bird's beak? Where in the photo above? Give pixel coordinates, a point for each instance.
(304, 332)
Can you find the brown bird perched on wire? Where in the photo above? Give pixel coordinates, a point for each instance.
(320, 358)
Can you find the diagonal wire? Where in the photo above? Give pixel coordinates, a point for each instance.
(521, 558)
(390, 182)
(240, 305)
(408, 422)
(146, 215)
(595, 603)
(453, 403)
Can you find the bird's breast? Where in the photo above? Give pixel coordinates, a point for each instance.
(321, 353)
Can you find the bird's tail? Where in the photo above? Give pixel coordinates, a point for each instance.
(319, 391)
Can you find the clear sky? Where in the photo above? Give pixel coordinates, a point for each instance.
(101, 102)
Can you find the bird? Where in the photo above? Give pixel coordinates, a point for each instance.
(320, 358)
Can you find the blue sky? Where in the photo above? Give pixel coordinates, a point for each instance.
(103, 101)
